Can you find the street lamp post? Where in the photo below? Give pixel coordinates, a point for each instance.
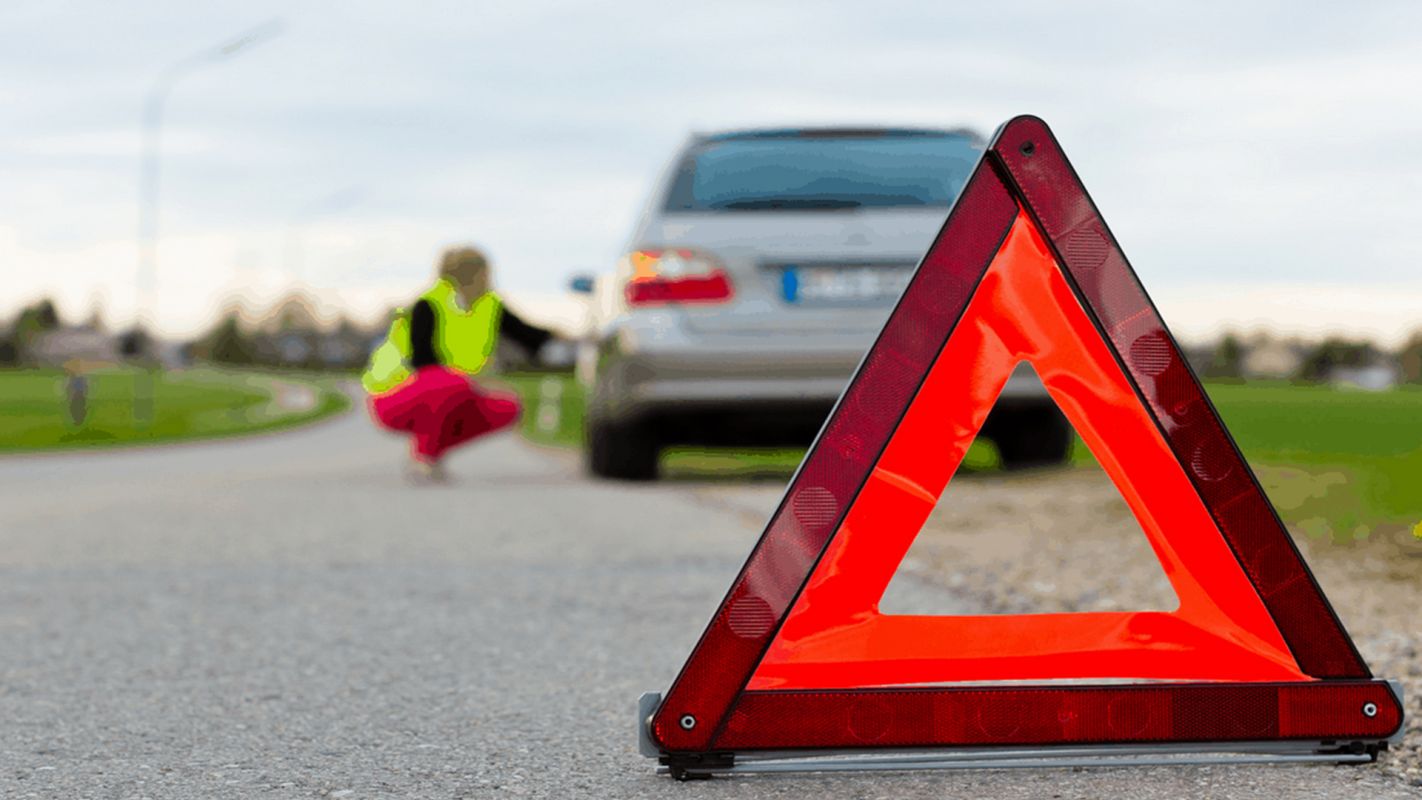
(146, 279)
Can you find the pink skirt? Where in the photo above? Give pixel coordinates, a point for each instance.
(441, 409)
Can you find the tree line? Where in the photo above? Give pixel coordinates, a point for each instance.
(1316, 361)
(290, 334)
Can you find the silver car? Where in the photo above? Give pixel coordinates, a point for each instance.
(756, 279)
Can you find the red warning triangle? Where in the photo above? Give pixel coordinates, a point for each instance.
(799, 657)
(1023, 310)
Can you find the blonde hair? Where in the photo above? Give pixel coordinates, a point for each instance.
(467, 268)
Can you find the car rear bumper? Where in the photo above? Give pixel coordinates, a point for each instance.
(640, 377)
(633, 384)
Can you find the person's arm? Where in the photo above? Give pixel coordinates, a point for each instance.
(422, 333)
(529, 337)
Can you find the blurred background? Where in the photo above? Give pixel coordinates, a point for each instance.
(258, 187)
(209, 212)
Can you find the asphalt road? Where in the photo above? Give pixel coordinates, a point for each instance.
(285, 617)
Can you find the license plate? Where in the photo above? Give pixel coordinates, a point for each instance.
(843, 284)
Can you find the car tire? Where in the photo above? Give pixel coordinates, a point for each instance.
(1030, 437)
(626, 451)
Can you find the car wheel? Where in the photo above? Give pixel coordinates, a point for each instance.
(626, 451)
(1030, 437)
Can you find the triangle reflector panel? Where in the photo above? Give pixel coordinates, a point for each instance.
(798, 657)
(834, 637)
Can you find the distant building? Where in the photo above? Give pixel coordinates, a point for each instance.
(81, 343)
(171, 355)
(294, 347)
(1377, 377)
(559, 353)
(1272, 359)
(346, 346)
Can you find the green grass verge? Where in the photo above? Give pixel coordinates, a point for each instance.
(552, 407)
(775, 463)
(1336, 463)
(188, 404)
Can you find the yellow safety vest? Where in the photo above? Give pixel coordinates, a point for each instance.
(464, 339)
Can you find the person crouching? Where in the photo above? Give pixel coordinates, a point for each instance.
(420, 380)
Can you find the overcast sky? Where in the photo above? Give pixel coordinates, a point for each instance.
(1259, 162)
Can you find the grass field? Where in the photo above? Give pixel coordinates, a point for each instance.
(196, 403)
(560, 409)
(1336, 463)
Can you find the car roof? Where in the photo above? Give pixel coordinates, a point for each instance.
(833, 132)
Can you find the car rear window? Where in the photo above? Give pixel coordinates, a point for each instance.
(809, 172)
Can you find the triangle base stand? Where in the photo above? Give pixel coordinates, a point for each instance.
(685, 767)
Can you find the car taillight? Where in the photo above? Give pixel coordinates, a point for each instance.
(676, 276)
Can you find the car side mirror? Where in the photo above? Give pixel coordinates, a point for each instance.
(582, 284)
